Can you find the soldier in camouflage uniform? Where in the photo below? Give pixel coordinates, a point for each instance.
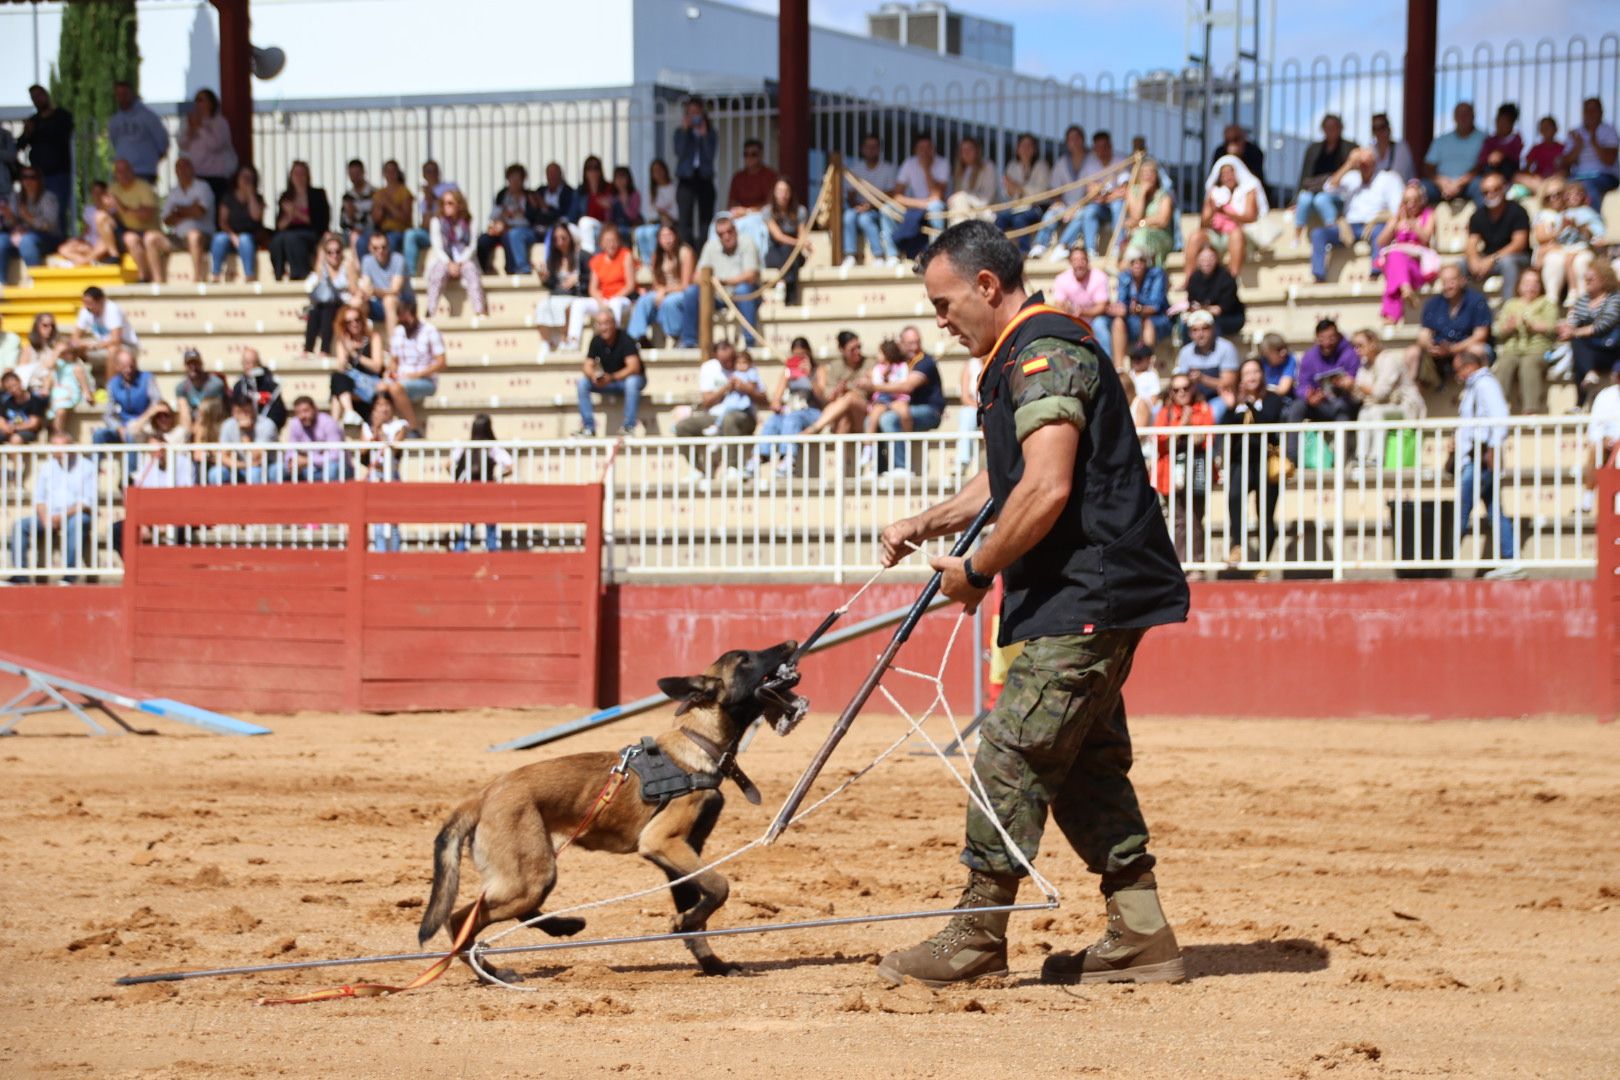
(1088, 567)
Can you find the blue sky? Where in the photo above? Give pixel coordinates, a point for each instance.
(1090, 37)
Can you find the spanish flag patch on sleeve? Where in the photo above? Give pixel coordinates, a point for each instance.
(1036, 366)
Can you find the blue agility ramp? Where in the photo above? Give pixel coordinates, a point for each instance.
(46, 690)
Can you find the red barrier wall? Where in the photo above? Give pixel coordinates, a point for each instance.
(77, 629)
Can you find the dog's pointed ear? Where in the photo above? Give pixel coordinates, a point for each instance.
(691, 690)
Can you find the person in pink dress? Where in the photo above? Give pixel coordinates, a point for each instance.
(1405, 254)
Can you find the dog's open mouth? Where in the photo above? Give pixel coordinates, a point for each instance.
(783, 709)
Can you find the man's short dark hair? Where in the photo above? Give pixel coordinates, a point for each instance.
(244, 401)
(1509, 110)
(517, 168)
(1102, 135)
(919, 137)
(753, 144)
(302, 399)
(845, 337)
(408, 303)
(1139, 351)
(1326, 324)
(977, 245)
(94, 293)
(353, 162)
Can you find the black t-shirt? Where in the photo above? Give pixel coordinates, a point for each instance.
(1496, 235)
(30, 406)
(613, 358)
(932, 391)
(1219, 289)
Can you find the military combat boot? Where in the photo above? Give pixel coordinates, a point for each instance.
(1137, 947)
(971, 946)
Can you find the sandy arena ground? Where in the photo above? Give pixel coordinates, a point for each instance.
(1354, 898)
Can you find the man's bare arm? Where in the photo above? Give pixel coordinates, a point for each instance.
(943, 519)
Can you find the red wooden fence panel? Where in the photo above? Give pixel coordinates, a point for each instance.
(1606, 593)
(257, 625)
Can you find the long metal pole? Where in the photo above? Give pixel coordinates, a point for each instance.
(858, 702)
(550, 946)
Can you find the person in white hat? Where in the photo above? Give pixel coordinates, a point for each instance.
(1211, 362)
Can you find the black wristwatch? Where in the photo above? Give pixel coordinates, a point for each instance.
(976, 579)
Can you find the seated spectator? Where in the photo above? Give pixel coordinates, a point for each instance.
(303, 215)
(22, 412)
(1254, 464)
(50, 369)
(64, 501)
(1064, 212)
(391, 211)
(510, 228)
(1107, 198)
(1453, 158)
(861, 218)
(750, 196)
(1082, 290)
(382, 282)
(554, 200)
(1498, 235)
(1139, 315)
(695, 142)
(416, 353)
(362, 368)
(624, 202)
(97, 241)
(592, 204)
(612, 368)
(206, 424)
(1478, 452)
(1593, 328)
(136, 208)
(246, 427)
(660, 209)
(1279, 366)
(28, 222)
(730, 393)
(196, 387)
(921, 186)
(47, 135)
(1327, 376)
(674, 268)
(485, 462)
(1212, 289)
(1456, 321)
(1145, 391)
(1543, 161)
(1499, 154)
(259, 384)
(795, 404)
(891, 368)
(1593, 157)
(967, 417)
(1387, 387)
(428, 205)
(1525, 332)
(1211, 363)
(1389, 155)
(188, 215)
(785, 218)
(1235, 142)
(1566, 229)
(387, 431)
(1406, 254)
(568, 280)
(241, 216)
(311, 427)
(735, 267)
(132, 399)
(205, 140)
(1181, 473)
(924, 393)
(1233, 200)
(973, 183)
(454, 255)
(1026, 174)
(100, 330)
(329, 287)
(1150, 212)
(1323, 159)
(358, 199)
(845, 399)
(1369, 199)
(612, 284)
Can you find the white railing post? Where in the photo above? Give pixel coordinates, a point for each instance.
(838, 511)
(1340, 473)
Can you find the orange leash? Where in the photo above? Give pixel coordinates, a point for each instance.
(609, 789)
(358, 990)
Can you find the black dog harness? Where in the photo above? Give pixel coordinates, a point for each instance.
(662, 779)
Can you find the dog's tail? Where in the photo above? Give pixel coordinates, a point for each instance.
(447, 867)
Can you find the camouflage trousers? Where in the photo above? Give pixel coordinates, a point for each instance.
(1057, 739)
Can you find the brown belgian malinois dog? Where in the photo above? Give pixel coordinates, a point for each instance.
(512, 821)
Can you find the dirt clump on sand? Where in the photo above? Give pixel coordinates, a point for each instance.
(1354, 898)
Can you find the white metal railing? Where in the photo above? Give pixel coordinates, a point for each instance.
(1363, 498)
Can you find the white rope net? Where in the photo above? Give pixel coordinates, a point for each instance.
(968, 780)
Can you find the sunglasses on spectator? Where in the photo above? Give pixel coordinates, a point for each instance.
(1181, 389)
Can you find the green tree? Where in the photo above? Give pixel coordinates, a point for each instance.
(97, 49)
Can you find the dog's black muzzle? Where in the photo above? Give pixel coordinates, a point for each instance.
(782, 708)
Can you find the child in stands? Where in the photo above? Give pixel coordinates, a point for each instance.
(890, 368)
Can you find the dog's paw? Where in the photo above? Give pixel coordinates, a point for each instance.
(505, 975)
(564, 926)
(722, 969)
